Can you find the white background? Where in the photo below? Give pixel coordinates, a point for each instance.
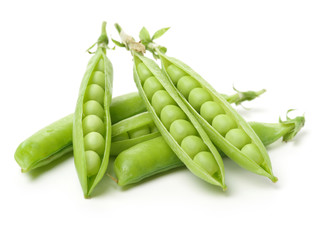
(276, 45)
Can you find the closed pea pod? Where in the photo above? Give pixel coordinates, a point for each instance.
(92, 126)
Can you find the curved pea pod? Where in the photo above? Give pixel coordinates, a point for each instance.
(205, 163)
(126, 106)
(155, 156)
(131, 131)
(46, 145)
(225, 127)
(92, 126)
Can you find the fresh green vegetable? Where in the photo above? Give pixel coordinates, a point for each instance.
(92, 126)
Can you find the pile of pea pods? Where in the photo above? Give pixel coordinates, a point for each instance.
(175, 119)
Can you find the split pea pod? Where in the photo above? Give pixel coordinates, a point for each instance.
(179, 128)
(155, 156)
(55, 140)
(92, 121)
(225, 127)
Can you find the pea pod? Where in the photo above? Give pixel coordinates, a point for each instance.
(155, 156)
(55, 140)
(92, 121)
(199, 155)
(226, 128)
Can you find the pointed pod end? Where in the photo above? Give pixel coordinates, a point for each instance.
(87, 196)
(274, 179)
(224, 188)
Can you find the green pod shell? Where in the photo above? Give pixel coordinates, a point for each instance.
(155, 156)
(89, 183)
(126, 106)
(140, 120)
(219, 178)
(220, 141)
(46, 145)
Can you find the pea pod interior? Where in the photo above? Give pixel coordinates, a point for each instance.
(204, 161)
(92, 122)
(226, 128)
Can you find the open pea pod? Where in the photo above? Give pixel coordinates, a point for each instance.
(179, 128)
(92, 120)
(132, 131)
(225, 127)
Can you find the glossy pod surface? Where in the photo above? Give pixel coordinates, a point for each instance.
(177, 123)
(226, 128)
(155, 156)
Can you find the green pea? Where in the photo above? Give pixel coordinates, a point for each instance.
(98, 78)
(207, 161)
(93, 163)
(170, 113)
(186, 84)
(209, 110)
(193, 145)
(143, 72)
(120, 137)
(151, 85)
(161, 99)
(92, 107)
(252, 152)
(93, 123)
(180, 129)
(100, 65)
(94, 92)
(141, 131)
(223, 123)
(237, 137)
(95, 142)
(175, 73)
(197, 97)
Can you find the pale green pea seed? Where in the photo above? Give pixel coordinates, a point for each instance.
(180, 129)
(209, 110)
(170, 113)
(252, 152)
(237, 137)
(223, 123)
(207, 161)
(197, 97)
(143, 72)
(120, 137)
(138, 132)
(95, 142)
(151, 85)
(93, 108)
(186, 84)
(175, 73)
(193, 145)
(98, 78)
(94, 92)
(93, 163)
(161, 99)
(93, 123)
